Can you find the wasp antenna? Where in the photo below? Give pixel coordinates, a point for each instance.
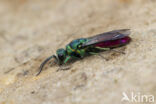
(44, 62)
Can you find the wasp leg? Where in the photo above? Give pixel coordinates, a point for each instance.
(65, 67)
(108, 49)
(105, 49)
(67, 59)
(118, 51)
(93, 53)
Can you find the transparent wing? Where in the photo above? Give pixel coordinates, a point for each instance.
(112, 35)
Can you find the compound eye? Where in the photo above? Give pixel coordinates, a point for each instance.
(61, 57)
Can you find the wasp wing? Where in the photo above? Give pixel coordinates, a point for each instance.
(107, 36)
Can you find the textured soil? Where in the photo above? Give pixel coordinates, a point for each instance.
(32, 30)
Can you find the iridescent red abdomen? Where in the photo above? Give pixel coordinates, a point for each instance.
(114, 43)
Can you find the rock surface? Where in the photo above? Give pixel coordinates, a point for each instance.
(32, 30)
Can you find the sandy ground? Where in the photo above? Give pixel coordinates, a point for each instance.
(32, 30)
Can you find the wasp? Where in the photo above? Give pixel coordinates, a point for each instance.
(79, 48)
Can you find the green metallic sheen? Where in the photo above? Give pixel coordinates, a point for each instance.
(82, 47)
(74, 48)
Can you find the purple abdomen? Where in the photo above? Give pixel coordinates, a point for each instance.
(114, 43)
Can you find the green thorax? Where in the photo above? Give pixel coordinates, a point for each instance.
(74, 48)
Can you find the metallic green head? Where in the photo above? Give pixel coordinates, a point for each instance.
(61, 54)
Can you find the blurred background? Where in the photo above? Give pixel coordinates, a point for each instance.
(32, 30)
